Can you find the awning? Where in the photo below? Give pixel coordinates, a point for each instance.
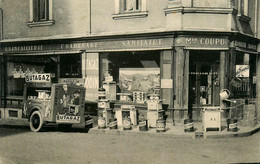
(246, 51)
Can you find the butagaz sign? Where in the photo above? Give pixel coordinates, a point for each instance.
(242, 70)
(38, 78)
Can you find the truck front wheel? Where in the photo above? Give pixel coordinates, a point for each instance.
(36, 121)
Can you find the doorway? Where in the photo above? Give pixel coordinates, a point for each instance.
(203, 79)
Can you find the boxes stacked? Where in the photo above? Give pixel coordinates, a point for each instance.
(126, 111)
(124, 96)
(138, 97)
(155, 112)
(110, 88)
(104, 111)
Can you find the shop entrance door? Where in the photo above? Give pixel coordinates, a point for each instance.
(204, 80)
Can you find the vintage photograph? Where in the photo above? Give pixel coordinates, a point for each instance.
(129, 81)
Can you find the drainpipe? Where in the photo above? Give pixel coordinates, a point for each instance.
(256, 18)
(90, 18)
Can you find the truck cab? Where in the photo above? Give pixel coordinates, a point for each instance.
(61, 104)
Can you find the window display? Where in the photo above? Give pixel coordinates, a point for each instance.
(20, 67)
(70, 66)
(133, 72)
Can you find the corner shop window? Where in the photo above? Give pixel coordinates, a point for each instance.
(70, 66)
(246, 75)
(19, 66)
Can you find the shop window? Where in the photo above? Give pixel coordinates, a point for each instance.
(40, 13)
(70, 66)
(245, 76)
(130, 9)
(18, 67)
(132, 71)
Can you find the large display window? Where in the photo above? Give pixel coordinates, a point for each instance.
(131, 71)
(17, 67)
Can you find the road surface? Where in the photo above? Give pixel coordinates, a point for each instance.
(20, 145)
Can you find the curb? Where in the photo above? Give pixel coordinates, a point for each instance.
(235, 134)
(119, 131)
(151, 132)
(108, 131)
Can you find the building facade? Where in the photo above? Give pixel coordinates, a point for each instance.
(190, 49)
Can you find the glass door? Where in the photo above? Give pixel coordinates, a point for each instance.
(203, 80)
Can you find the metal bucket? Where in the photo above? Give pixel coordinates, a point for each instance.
(224, 94)
(127, 124)
(101, 122)
(160, 126)
(101, 93)
(188, 125)
(232, 125)
(143, 126)
(88, 122)
(113, 123)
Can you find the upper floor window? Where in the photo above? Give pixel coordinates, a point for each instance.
(130, 9)
(40, 10)
(131, 5)
(40, 13)
(243, 7)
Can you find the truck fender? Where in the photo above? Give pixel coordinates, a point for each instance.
(35, 108)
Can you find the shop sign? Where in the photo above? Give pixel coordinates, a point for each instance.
(103, 45)
(203, 73)
(38, 78)
(91, 82)
(242, 70)
(202, 42)
(75, 81)
(166, 83)
(245, 45)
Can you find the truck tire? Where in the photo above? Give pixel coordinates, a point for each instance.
(36, 121)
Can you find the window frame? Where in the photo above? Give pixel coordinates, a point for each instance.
(122, 13)
(48, 20)
(243, 10)
(243, 7)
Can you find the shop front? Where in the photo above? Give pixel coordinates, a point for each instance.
(22, 62)
(132, 69)
(213, 65)
(187, 72)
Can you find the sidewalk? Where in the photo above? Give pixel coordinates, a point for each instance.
(171, 131)
(178, 131)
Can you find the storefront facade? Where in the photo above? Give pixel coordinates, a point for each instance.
(190, 70)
